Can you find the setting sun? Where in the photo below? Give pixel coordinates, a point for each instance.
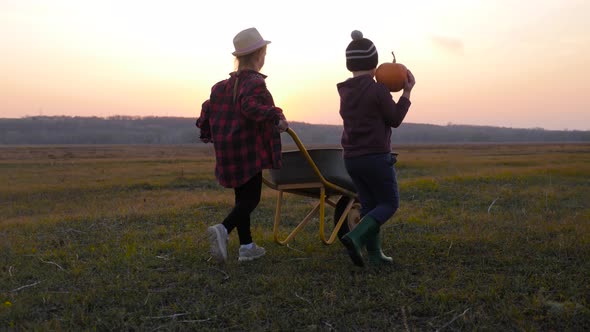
(500, 63)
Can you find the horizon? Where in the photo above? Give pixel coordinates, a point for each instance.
(141, 117)
(507, 64)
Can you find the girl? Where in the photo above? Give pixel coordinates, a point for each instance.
(244, 125)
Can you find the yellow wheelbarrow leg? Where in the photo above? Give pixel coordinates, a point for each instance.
(321, 206)
(299, 226)
(338, 225)
(334, 234)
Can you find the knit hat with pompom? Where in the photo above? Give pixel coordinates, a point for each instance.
(361, 53)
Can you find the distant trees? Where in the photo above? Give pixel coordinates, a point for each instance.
(176, 130)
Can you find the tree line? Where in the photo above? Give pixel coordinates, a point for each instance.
(179, 130)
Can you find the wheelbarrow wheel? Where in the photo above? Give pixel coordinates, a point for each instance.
(353, 218)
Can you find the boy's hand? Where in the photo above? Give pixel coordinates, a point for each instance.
(410, 82)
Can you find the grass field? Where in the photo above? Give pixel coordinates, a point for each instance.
(488, 237)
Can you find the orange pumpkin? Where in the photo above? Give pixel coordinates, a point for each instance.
(392, 74)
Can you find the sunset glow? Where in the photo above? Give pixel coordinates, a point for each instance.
(519, 64)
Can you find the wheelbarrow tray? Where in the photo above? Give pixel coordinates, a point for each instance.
(296, 170)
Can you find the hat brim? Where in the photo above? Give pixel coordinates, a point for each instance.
(252, 48)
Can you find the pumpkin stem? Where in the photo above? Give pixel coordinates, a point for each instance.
(393, 56)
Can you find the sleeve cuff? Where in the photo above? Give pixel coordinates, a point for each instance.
(404, 101)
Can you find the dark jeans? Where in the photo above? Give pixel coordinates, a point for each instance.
(247, 198)
(376, 184)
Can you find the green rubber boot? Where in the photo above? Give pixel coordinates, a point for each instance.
(355, 240)
(376, 256)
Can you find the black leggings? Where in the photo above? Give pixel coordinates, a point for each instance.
(247, 198)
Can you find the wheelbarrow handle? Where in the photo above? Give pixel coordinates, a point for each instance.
(303, 150)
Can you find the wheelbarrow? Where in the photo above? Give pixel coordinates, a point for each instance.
(317, 173)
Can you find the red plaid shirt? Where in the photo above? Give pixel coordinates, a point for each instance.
(244, 133)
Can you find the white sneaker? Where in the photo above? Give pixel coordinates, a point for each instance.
(252, 253)
(218, 239)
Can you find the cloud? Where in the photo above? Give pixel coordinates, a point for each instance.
(448, 44)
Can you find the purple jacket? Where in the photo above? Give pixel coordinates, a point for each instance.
(368, 113)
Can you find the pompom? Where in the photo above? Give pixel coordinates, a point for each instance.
(356, 35)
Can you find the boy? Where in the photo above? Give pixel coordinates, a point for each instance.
(368, 112)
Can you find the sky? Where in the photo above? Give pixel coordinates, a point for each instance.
(519, 64)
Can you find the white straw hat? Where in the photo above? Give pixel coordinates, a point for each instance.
(248, 41)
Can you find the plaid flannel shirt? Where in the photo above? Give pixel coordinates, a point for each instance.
(243, 132)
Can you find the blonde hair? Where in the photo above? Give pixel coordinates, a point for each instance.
(248, 60)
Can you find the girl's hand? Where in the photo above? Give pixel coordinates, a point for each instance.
(282, 125)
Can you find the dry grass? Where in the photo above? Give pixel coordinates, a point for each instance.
(488, 237)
